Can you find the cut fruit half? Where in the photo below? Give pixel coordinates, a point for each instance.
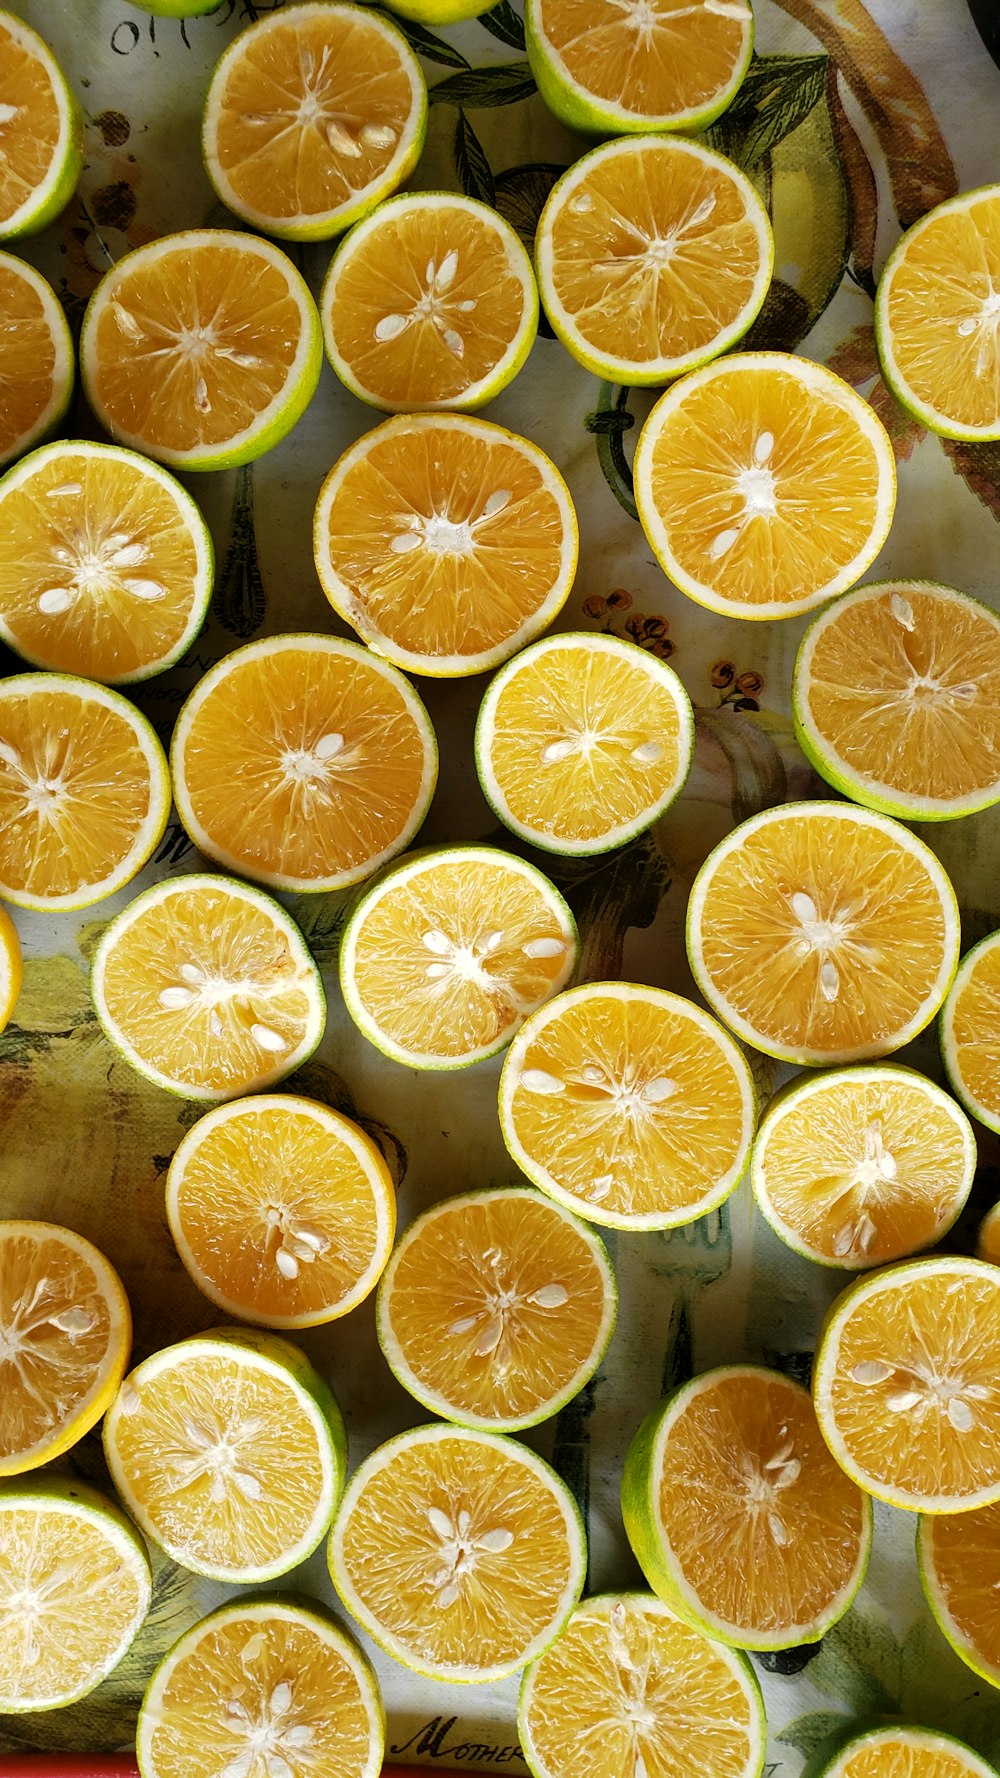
(629, 1105)
(446, 542)
(303, 762)
(314, 114)
(859, 1166)
(176, 9)
(282, 1210)
(496, 1308)
(970, 1032)
(36, 350)
(105, 563)
(654, 255)
(606, 68)
(628, 1682)
(823, 933)
(84, 791)
(737, 1514)
(65, 1334)
(959, 1560)
(907, 1384)
(936, 317)
(72, 1552)
(904, 1752)
(438, 12)
(11, 967)
(896, 694)
(259, 1687)
(582, 742)
(41, 132)
(207, 988)
(202, 349)
(988, 1240)
(445, 957)
(228, 1450)
(430, 303)
(764, 484)
(461, 1553)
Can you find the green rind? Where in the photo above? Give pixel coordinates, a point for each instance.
(176, 9)
(439, 12)
(989, 1119)
(988, 1238)
(51, 1486)
(832, 1756)
(48, 424)
(939, 1610)
(72, 166)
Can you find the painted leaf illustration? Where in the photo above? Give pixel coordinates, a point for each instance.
(521, 193)
(980, 465)
(778, 92)
(862, 189)
(475, 174)
(809, 1733)
(856, 360)
(860, 1664)
(504, 23)
(424, 42)
(506, 84)
(239, 601)
(609, 422)
(760, 780)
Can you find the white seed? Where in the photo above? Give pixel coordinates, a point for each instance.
(253, 1649)
(454, 342)
(870, 1371)
(129, 555)
(536, 1080)
(804, 908)
(245, 360)
(435, 972)
(126, 321)
(307, 1234)
(268, 1039)
(341, 140)
(247, 1485)
(780, 1457)
(446, 270)
(728, 9)
(238, 1767)
(500, 498)
(233, 1707)
(788, 1474)
(129, 1399)
(299, 1735)
(582, 203)
(702, 214)
(544, 947)
(64, 489)
(448, 1595)
(556, 751)
(189, 972)
(176, 999)
(8, 113)
(495, 1541)
(145, 588)
(199, 1435)
(405, 543)
(74, 1321)
(377, 135)
(655, 1091)
(55, 600)
(763, 446)
(960, 1414)
(280, 1698)
(440, 1523)
(10, 756)
(723, 543)
(902, 611)
(829, 980)
(328, 746)
(437, 941)
(600, 1187)
(390, 327)
(843, 1241)
(278, 1766)
(490, 943)
(286, 1263)
(550, 1296)
(215, 1024)
(490, 1337)
(777, 1529)
(967, 327)
(647, 753)
(903, 1401)
(466, 1324)
(201, 400)
(639, 1767)
(867, 1230)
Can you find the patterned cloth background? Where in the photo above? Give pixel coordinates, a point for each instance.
(853, 120)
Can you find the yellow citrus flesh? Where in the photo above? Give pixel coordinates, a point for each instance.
(37, 128)
(861, 1166)
(222, 1450)
(764, 1562)
(446, 542)
(105, 563)
(312, 116)
(496, 1308)
(627, 1680)
(907, 1753)
(460, 1552)
(582, 741)
(960, 1570)
(679, 68)
(970, 1032)
(629, 1104)
(84, 791)
(988, 1243)
(764, 484)
(282, 1210)
(935, 316)
(11, 967)
(626, 309)
(206, 986)
(429, 304)
(36, 354)
(897, 693)
(66, 1331)
(907, 1384)
(303, 762)
(445, 958)
(75, 1556)
(201, 349)
(823, 933)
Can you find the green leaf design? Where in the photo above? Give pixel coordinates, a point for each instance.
(808, 1733)
(239, 600)
(521, 193)
(424, 42)
(481, 88)
(475, 174)
(778, 92)
(860, 1663)
(609, 422)
(502, 21)
(760, 780)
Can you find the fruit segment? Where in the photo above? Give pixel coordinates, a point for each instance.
(40, 132)
(36, 355)
(970, 1031)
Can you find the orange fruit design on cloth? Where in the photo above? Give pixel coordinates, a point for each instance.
(40, 131)
(36, 354)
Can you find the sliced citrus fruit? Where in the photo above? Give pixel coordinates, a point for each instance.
(764, 484)
(496, 1308)
(936, 317)
(970, 1031)
(201, 349)
(282, 1210)
(430, 303)
(313, 115)
(857, 1166)
(654, 255)
(303, 762)
(629, 1105)
(206, 986)
(988, 1240)
(444, 958)
(907, 1383)
(36, 352)
(65, 1333)
(446, 542)
(11, 967)
(737, 1514)
(896, 693)
(228, 1450)
(608, 66)
(823, 933)
(627, 1681)
(75, 1585)
(905, 1752)
(959, 1560)
(438, 12)
(105, 563)
(582, 741)
(259, 1687)
(84, 791)
(460, 1552)
(41, 132)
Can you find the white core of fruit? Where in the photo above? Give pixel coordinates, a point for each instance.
(95, 562)
(270, 1736)
(435, 306)
(442, 535)
(920, 1388)
(462, 1549)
